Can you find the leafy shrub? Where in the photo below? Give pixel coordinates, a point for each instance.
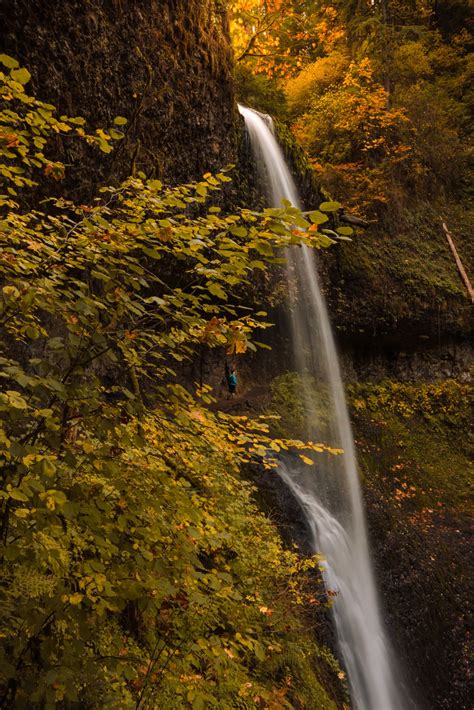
(136, 567)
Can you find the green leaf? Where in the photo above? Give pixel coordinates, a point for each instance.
(104, 146)
(317, 217)
(32, 332)
(330, 206)
(16, 400)
(259, 651)
(75, 599)
(56, 343)
(258, 265)
(47, 467)
(11, 291)
(22, 513)
(217, 290)
(325, 241)
(18, 495)
(263, 248)
(58, 496)
(78, 120)
(346, 231)
(238, 231)
(117, 135)
(300, 222)
(153, 253)
(8, 61)
(22, 76)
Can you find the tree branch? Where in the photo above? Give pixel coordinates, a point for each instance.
(459, 264)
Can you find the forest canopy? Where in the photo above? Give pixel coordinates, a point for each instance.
(363, 84)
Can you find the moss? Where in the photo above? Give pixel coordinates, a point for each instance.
(415, 455)
(419, 433)
(259, 92)
(166, 67)
(287, 404)
(404, 272)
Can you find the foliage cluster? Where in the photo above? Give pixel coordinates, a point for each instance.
(26, 124)
(373, 142)
(136, 570)
(448, 401)
(349, 125)
(273, 41)
(276, 37)
(382, 105)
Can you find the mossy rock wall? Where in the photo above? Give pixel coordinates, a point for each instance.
(166, 66)
(398, 280)
(414, 447)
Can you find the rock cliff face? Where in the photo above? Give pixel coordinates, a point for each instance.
(414, 454)
(166, 66)
(399, 284)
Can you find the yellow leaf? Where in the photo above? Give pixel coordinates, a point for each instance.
(75, 598)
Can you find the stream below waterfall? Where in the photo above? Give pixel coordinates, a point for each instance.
(329, 492)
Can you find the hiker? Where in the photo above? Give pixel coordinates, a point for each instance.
(231, 377)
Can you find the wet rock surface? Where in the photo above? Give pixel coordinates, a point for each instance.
(165, 66)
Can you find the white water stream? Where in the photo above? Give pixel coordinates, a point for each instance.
(329, 492)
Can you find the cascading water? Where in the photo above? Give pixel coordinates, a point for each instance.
(329, 493)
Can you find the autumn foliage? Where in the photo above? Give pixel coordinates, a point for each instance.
(137, 570)
(364, 88)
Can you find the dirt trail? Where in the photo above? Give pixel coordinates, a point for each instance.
(253, 400)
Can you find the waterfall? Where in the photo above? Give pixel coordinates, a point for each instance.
(329, 491)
